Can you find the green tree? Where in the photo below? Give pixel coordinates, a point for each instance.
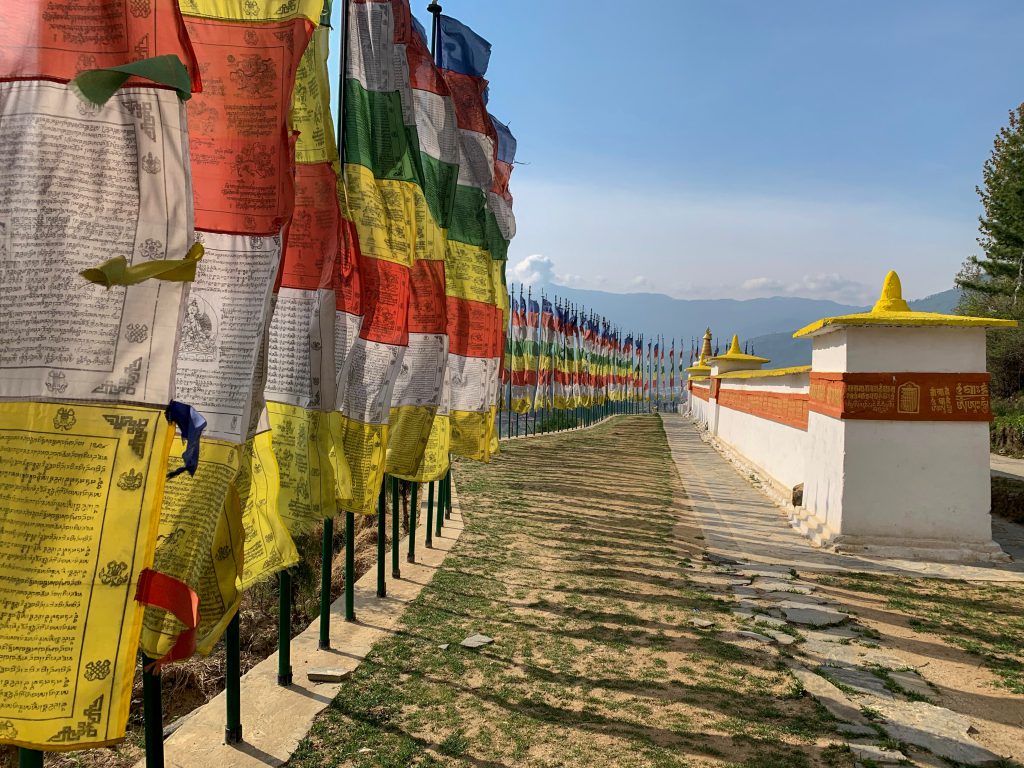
(993, 285)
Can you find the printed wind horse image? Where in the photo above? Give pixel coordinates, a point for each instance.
(318, 448)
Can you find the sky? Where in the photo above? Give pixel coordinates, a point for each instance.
(743, 148)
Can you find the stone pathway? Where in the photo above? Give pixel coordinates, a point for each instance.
(1004, 466)
(875, 694)
(753, 558)
(741, 522)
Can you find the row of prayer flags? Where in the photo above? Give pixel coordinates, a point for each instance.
(562, 357)
(346, 316)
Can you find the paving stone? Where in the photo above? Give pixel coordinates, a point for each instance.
(794, 597)
(912, 682)
(880, 755)
(745, 592)
(756, 636)
(719, 559)
(768, 572)
(476, 641)
(749, 605)
(936, 729)
(849, 729)
(742, 615)
(831, 635)
(775, 585)
(702, 623)
(860, 680)
(837, 655)
(770, 621)
(443, 646)
(816, 617)
(327, 675)
(829, 696)
(780, 637)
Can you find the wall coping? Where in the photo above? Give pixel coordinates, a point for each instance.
(757, 374)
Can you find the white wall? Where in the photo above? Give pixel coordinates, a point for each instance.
(823, 483)
(885, 349)
(917, 480)
(777, 449)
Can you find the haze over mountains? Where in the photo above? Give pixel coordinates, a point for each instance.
(767, 323)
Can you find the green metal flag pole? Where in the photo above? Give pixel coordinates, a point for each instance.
(284, 628)
(29, 758)
(326, 568)
(448, 492)
(152, 716)
(382, 588)
(439, 514)
(232, 682)
(350, 566)
(396, 529)
(414, 508)
(430, 516)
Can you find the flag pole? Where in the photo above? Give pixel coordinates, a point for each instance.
(382, 589)
(414, 508)
(396, 530)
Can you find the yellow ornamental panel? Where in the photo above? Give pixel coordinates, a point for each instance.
(268, 545)
(253, 10)
(80, 490)
(200, 543)
(305, 455)
(409, 430)
(384, 214)
(311, 107)
(363, 447)
(471, 435)
(469, 273)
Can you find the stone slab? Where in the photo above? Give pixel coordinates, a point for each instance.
(775, 585)
(328, 675)
(859, 680)
(939, 730)
(880, 755)
(850, 655)
(756, 636)
(276, 719)
(829, 696)
(476, 641)
(780, 637)
(912, 682)
(815, 617)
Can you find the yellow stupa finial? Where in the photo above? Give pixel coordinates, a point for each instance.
(734, 348)
(891, 299)
(705, 350)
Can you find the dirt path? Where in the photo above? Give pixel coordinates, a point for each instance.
(608, 651)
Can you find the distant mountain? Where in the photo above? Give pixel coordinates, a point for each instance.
(767, 323)
(785, 351)
(651, 313)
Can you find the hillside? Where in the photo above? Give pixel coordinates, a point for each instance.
(767, 323)
(784, 351)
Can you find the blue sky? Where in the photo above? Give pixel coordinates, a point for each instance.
(741, 148)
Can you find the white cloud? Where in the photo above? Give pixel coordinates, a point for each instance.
(533, 270)
(821, 286)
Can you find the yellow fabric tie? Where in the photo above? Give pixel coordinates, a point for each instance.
(116, 271)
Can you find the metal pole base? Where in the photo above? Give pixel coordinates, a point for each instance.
(233, 735)
(29, 758)
(284, 680)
